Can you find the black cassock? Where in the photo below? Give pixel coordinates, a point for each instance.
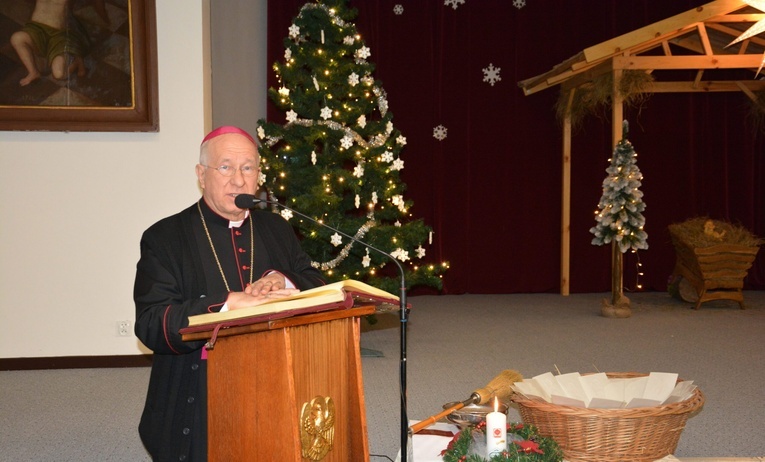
(176, 277)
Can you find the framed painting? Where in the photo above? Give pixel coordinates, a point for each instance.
(78, 65)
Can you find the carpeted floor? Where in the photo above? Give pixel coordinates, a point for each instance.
(456, 344)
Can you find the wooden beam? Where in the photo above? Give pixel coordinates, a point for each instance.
(747, 91)
(729, 18)
(688, 62)
(661, 28)
(705, 86)
(565, 226)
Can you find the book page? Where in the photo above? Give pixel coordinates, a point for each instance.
(335, 292)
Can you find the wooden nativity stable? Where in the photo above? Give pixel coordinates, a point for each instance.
(710, 40)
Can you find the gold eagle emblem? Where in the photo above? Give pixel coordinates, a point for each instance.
(317, 427)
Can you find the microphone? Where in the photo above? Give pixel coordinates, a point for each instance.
(248, 201)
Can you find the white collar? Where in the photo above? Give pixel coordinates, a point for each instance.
(236, 224)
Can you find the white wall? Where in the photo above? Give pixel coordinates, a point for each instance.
(74, 206)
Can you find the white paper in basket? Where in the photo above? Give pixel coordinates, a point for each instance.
(600, 391)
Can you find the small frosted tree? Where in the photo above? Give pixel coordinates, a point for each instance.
(619, 217)
(337, 155)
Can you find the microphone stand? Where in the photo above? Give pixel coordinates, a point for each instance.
(249, 201)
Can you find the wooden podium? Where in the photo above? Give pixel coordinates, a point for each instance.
(285, 389)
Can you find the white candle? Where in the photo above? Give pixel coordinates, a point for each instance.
(496, 431)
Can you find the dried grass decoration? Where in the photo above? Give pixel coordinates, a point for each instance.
(525, 444)
(705, 232)
(597, 94)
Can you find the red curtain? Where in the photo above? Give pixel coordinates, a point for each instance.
(491, 190)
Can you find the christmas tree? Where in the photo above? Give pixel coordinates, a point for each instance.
(337, 155)
(620, 219)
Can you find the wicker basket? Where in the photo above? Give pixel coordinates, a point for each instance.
(613, 435)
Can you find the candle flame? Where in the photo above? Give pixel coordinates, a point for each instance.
(496, 404)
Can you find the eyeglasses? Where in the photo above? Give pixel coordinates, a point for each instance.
(227, 170)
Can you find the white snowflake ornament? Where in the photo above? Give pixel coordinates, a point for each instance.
(398, 164)
(420, 251)
(287, 54)
(363, 53)
(358, 170)
(387, 156)
(491, 74)
(362, 121)
(367, 260)
(357, 201)
(401, 140)
(286, 214)
(291, 116)
(261, 133)
(400, 254)
(398, 9)
(336, 240)
(294, 31)
(348, 40)
(326, 113)
(284, 91)
(353, 79)
(346, 142)
(439, 133)
(519, 3)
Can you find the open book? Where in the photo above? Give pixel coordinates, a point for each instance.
(337, 295)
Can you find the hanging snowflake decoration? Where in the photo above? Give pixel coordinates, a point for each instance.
(346, 142)
(358, 170)
(261, 133)
(348, 40)
(387, 157)
(365, 262)
(286, 214)
(491, 74)
(313, 157)
(287, 54)
(398, 9)
(291, 116)
(401, 140)
(326, 112)
(336, 240)
(362, 121)
(398, 164)
(420, 251)
(357, 201)
(400, 254)
(454, 3)
(353, 79)
(363, 53)
(519, 3)
(439, 133)
(294, 31)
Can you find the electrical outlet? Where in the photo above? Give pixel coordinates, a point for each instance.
(123, 328)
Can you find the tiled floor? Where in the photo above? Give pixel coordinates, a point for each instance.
(106, 82)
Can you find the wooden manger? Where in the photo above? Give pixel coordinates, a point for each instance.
(710, 272)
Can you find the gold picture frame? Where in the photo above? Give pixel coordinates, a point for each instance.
(110, 86)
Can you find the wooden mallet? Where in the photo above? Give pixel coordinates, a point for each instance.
(500, 386)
